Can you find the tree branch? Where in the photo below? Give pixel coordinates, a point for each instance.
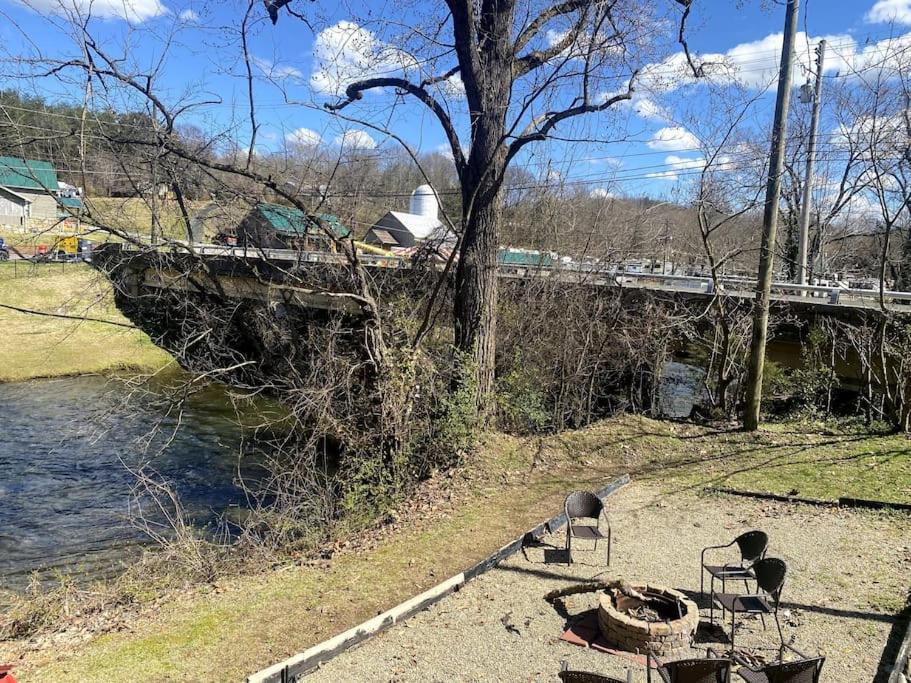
(541, 126)
(534, 28)
(356, 91)
(79, 318)
(538, 58)
(698, 71)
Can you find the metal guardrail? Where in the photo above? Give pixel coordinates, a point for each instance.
(603, 276)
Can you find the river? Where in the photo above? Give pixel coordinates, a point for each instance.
(64, 492)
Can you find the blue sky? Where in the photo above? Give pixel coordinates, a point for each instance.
(203, 63)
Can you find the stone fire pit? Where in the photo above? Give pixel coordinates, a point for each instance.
(664, 623)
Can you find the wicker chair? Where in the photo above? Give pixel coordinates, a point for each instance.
(582, 504)
(752, 546)
(770, 574)
(803, 670)
(708, 670)
(568, 676)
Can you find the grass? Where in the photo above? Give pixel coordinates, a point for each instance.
(131, 215)
(35, 346)
(134, 215)
(243, 624)
(806, 460)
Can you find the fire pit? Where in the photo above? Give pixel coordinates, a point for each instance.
(662, 620)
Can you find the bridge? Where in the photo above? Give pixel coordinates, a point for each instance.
(232, 267)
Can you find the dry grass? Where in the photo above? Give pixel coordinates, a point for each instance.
(33, 346)
(134, 215)
(225, 631)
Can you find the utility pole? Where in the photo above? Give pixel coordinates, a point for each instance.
(770, 224)
(805, 208)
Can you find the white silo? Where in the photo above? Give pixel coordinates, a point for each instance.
(424, 202)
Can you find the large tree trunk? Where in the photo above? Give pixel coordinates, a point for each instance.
(487, 75)
(476, 298)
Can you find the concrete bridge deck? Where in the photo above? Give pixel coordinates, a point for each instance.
(802, 296)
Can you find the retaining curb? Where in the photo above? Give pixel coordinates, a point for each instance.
(902, 669)
(843, 501)
(298, 666)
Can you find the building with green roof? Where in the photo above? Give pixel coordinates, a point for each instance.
(274, 226)
(28, 192)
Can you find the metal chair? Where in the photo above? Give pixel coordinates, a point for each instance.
(752, 546)
(803, 670)
(568, 676)
(582, 504)
(708, 670)
(770, 574)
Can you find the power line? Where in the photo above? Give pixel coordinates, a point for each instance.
(544, 163)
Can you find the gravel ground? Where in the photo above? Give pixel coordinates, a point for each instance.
(848, 573)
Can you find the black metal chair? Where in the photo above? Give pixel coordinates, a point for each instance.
(770, 574)
(708, 670)
(582, 504)
(568, 676)
(803, 670)
(752, 546)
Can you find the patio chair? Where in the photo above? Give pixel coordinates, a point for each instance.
(569, 676)
(803, 670)
(711, 669)
(579, 505)
(752, 546)
(770, 574)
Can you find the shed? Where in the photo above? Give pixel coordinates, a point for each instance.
(274, 226)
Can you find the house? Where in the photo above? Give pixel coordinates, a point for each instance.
(29, 192)
(69, 202)
(15, 208)
(399, 231)
(273, 226)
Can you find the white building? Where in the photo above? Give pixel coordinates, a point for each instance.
(400, 230)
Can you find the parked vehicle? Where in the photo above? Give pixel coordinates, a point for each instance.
(65, 248)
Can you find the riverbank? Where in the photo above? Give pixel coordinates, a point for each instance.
(66, 325)
(228, 628)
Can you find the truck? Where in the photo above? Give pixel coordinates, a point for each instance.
(66, 248)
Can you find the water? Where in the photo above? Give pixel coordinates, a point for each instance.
(64, 493)
(681, 387)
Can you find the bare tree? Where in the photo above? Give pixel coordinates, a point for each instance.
(528, 70)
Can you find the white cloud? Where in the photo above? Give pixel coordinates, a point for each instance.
(453, 86)
(601, 193)
(553, 177)
(445, 149)
(755, 64)
(677, 164)
(644, 106)
(649, 109)
(585, 43)
(889, 11)
(355, 139)
(188, 16)
(135, 11)
(673, 139)
(275, 71)
(304, 137)
(347, 52)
